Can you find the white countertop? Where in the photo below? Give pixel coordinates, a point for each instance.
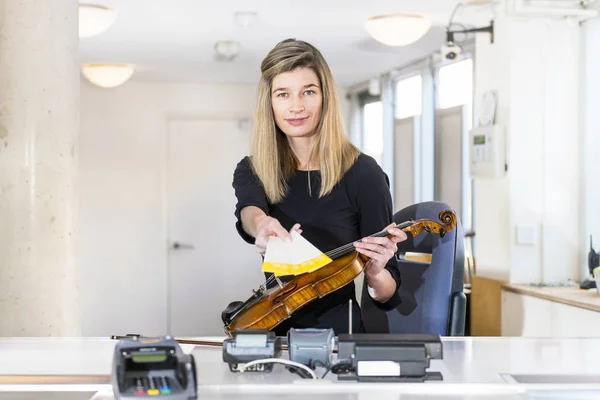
(471, 368)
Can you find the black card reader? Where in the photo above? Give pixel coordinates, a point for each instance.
(153, 367)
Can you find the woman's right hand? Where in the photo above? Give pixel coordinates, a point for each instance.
(269, 226)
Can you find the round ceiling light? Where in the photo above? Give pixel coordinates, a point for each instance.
(227, 50)
(94, 19)
(397, 29)
(107, 75)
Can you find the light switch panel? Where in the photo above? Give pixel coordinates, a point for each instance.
(526, 234)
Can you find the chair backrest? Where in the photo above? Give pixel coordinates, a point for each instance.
(432, 293)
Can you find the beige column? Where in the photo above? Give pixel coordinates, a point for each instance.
(39, 123)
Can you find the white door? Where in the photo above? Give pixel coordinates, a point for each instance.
(209, 265)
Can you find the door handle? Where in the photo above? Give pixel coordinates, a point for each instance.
(177, 245)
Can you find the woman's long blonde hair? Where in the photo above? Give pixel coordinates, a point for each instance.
(272, 159)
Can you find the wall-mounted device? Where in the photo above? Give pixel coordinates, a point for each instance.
(451, 49)
(487, 146)
(152, 367)
(389, 357)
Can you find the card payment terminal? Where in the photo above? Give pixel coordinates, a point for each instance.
(153, 367)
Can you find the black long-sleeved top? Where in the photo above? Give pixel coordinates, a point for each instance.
(358, 206)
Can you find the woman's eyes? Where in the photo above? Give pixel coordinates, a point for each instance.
(307, 92)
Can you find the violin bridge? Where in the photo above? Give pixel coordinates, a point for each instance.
(278, 281)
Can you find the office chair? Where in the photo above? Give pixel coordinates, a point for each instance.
(432, 293)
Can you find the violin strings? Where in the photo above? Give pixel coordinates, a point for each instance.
(345, 249)
(339, 251)
(350, 246)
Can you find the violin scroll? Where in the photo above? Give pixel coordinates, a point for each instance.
(448, 222)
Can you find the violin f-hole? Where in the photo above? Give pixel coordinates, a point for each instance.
(291, 288)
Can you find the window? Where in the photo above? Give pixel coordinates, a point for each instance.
(373, 130)
(455, 88)
(409, 97)
(455, 84)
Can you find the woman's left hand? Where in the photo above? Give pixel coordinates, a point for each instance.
(380, 250)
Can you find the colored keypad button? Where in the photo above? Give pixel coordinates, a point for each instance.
(152, 386)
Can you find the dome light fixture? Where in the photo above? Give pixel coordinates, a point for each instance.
(227, 50)
(397, 29)
(107, 75)
(94, 19)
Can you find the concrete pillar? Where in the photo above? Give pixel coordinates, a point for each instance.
(39, 123)
(534, 64)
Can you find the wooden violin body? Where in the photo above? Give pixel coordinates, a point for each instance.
(277, 304)
(268, 307)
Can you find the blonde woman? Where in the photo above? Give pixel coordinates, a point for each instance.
(304, 174)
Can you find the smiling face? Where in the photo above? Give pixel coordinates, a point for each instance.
(297, 101)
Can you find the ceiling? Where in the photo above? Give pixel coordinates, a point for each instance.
(173, 40)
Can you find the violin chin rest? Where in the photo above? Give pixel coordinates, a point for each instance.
(231, 309)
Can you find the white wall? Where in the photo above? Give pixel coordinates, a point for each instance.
(122, 248)
(492, 228)
(533, 64)
(590, 140)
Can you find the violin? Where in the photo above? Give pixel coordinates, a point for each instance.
(268, 307)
